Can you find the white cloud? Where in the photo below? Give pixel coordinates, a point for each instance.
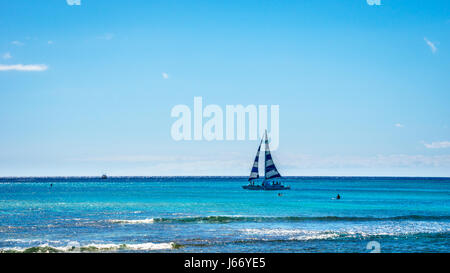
(367, 162)
(7, 56)
(17, 43)
(431, 45)
(106, 36)
(288, 164)
(373, 2)
(22, 67)
(142, 158)
(73, 2)
(437, 145)
(178, 164)
(165, 75)
(399, 125)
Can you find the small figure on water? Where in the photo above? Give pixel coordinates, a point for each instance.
(338, 197)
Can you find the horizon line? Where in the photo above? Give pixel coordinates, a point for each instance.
(218, 176)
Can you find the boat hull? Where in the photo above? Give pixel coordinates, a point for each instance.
(266, 187)
(252, 187)
(276, 188)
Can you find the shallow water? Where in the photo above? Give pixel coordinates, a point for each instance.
(214, 214)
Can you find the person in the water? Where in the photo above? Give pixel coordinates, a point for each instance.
(338, 197)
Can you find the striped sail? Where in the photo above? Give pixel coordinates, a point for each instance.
(270, 169)
(255, 174)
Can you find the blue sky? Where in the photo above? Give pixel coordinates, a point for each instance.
(362, 89)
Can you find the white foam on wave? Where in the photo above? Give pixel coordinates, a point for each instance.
(388, 228)
(133, 221)
(141, 246)
(77, 247)
(151, 246)
(292, 234)
(397, 229)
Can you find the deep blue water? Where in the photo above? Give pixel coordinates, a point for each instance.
(214, 214)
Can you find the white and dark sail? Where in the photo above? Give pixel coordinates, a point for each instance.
(254, 174)
(270, 170)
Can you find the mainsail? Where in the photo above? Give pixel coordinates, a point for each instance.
(270, 169)
(254, 173)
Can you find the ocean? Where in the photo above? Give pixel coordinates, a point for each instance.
(214, 214)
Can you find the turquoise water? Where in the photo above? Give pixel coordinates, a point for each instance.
(214, 214)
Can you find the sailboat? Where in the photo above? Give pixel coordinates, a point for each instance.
(270, 171)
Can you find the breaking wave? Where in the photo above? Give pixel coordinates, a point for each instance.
(106, 247)
(229, 219)
(137, 221)
(354, 231)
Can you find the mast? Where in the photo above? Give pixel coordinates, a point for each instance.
(270, 170)
(254, 174)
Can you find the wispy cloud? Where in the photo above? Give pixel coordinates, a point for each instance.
(7, 56)
(22, 67)
(73, 2)
(399, 125)
(288, 164)
(437, 145)
(369, 162)
(431, 45)
(17, 43)
(142, 158)
(165, 75)
(106, 36)
(373, 2)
